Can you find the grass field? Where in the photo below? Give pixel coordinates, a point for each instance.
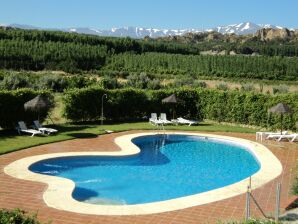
(11, 141)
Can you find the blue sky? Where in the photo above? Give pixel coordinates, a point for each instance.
(171, 14)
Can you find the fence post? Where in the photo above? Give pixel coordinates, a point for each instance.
(247, 208)
(278, 188)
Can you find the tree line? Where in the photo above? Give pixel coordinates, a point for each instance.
(261, 67)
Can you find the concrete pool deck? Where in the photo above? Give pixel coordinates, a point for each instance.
(30, 194)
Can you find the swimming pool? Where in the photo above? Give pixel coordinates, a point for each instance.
(170, 172)
(167, 167)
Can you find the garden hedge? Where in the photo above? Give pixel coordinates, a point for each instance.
(12, 107)
(17, 216)
(133, 104)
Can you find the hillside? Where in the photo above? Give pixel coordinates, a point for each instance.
(231, 55)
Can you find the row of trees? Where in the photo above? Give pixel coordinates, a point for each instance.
(113, 44)
(120, 45)
(36, 55)
(218, 66)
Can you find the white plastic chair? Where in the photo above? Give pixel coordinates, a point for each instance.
(23, 128)
(163, 119)
(44, 130)
(181, 120)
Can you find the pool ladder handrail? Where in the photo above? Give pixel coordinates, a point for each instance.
(161, 128)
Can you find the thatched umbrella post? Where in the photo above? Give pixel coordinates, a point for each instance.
(172, 99)
(281, 109)
(38, 104)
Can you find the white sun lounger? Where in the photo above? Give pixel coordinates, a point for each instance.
(44, 130)
(181, 120)
(163, 119)
(289, 137)
(23, 128)
(260, 135)
(153, 118)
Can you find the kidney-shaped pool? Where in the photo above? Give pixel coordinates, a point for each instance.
(167, 167)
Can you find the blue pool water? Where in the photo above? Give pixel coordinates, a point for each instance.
(167, 167)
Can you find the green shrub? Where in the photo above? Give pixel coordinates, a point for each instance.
(12, 107)
(16, 216)
(154, 84)
(253, 221)
(295, 187)
(14, 81)
(280, 89)
(56, 83)
(222, 86)
(108, 82)
(248, 87)
(187, 82)
(200, 84)
(139, 81)
(79, 81)
(229, 106)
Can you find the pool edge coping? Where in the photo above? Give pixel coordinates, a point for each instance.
(59, 191)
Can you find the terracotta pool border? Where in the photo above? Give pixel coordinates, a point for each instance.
(58, 193)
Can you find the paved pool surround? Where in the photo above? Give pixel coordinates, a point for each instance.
(59, 192)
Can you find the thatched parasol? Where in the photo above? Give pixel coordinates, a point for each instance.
(37, 104)
(281, 109)
(172, 99)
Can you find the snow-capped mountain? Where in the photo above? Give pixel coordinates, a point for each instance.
(243, 28)
(133, 32)
(139, 32)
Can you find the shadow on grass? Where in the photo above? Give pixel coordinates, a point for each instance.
(82, 135)
(204, 124)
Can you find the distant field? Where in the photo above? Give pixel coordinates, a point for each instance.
(292, 87)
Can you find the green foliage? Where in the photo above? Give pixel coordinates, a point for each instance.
(222, 86)
(16, 216)
(108, 82)
(14, 81)
(253, 221)
(139, 81)
(280, 89)
(248, 87)
(295, 187)
(12, 107)
(54, 82)
(187, 82)
(275, 68)
(142, 81)
(154, 84)
(229, 106)
(34, 50)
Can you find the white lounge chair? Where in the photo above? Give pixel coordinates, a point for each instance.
(289, 137)
(153, 118)
(23, 128)
(268, 135)
(181, 120)
(44, 130)
(163, 119)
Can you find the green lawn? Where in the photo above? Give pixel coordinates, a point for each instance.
(11, 141)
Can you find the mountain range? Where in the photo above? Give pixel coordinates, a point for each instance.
(139, 32)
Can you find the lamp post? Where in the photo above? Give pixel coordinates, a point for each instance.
(103, 96)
